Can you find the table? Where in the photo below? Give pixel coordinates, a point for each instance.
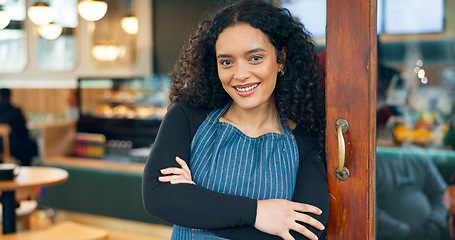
(28, 177)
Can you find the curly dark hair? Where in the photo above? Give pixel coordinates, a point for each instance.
(298, 93)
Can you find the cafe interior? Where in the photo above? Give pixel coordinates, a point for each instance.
(91, 78)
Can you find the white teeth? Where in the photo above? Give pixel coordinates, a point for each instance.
(247, 88)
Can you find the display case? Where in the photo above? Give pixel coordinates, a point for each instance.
(127, 111)
(124, 98)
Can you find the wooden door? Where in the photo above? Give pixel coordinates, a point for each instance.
(350, 95)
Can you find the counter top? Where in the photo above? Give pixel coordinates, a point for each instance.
(49, 124)
(94, 164)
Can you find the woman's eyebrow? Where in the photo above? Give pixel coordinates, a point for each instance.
(221, 55)
(254, 50)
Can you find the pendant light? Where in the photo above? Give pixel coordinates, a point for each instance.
(50, 31)
(92, 10)
(130, 24)
(108, 51)
(5, 19)
(41, 13)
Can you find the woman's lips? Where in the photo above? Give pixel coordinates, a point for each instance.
(246, 89)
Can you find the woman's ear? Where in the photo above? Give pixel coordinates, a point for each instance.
(282, 55)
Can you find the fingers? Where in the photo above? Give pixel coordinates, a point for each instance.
(287, 236)
(309, 220)
(175, 179)
(279, 216)
(175, 175)
(302, 207)
(176, 171)
(182, 163)
(304, 231)
(185, 170)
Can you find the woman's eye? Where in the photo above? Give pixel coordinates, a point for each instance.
(225, 62)
(256, 58)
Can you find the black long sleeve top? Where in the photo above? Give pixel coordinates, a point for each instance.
(229, 216)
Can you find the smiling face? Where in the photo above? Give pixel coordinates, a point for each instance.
(247, 66)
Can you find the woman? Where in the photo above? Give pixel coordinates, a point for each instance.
(239, 153)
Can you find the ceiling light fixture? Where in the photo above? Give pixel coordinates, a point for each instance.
(130, 24)
(92, 10)
(41, 13)
(50, 31)
(108, 51)
(5, 18)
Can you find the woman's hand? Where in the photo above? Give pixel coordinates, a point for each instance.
(279, 216)
(176, 175)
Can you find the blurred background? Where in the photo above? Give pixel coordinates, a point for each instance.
(91, 79)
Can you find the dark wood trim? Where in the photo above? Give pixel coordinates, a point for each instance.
(350, 94)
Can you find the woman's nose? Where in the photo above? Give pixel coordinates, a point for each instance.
(242, 72)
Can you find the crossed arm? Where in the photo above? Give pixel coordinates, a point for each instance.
(273, 216)
(172, 196)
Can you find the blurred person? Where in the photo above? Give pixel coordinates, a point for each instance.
(72, 110)
(239, 154)
(410, 191)
(23, 148)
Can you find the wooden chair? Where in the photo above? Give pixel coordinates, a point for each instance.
(63, 230)
(23, 212)
(5, 130)
(26, 205)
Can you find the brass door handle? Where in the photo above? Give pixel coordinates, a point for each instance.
(342, 173)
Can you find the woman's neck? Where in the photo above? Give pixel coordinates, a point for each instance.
(253, 122)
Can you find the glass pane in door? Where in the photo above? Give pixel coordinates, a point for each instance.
(114, 35)
(57, 41)
(13, 50)
(416, 120)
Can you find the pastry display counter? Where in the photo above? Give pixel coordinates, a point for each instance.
(128, 109)
(104, 151)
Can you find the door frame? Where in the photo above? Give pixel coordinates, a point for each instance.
(351, 44)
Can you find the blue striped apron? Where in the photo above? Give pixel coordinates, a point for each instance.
(225, 160)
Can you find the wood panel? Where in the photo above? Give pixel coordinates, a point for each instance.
(58, 138)
(41, 100)
(350, 94)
